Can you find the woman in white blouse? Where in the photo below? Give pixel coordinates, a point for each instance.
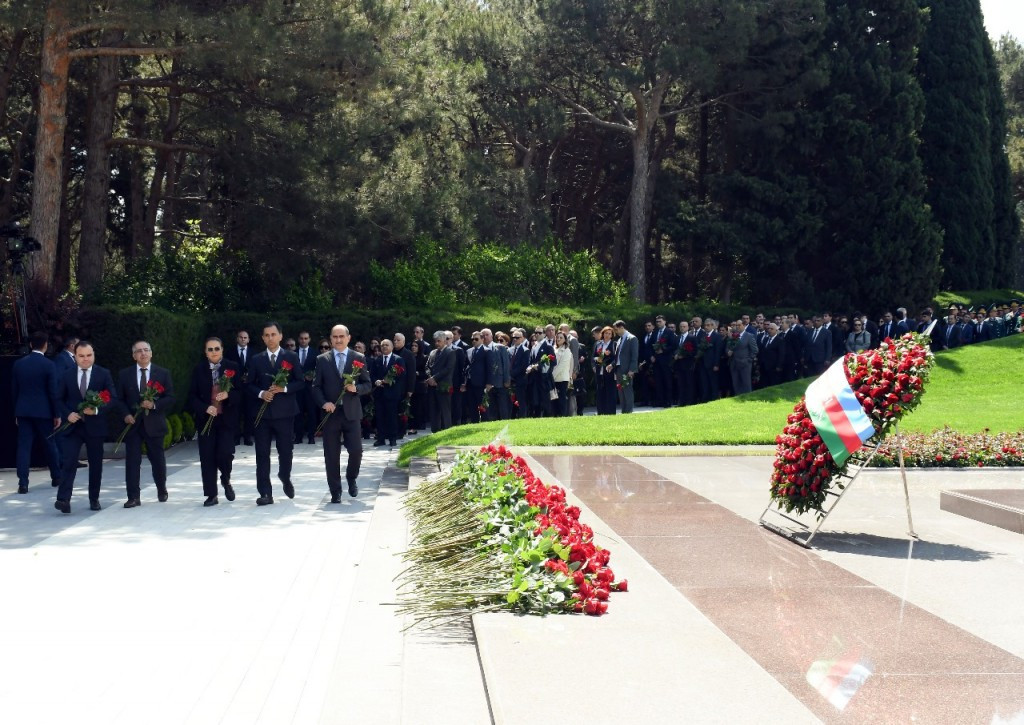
(561, 373)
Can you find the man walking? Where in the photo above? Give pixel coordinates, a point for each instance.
(134, 385)
(207, 400)
(340, 402)
(279, 409)
(34, 398)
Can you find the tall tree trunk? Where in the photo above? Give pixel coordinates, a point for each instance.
(163, 160)
(92, 246)
(526, 210)
(10, 184)
(52, 124)
(8, 71)
(141, 242)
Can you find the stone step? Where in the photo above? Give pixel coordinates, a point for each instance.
(997, 507)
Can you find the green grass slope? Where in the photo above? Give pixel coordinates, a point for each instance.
(971, 388)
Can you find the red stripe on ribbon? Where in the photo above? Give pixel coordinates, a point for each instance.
(844, 429)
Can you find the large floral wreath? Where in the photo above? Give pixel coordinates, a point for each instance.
(888, 383)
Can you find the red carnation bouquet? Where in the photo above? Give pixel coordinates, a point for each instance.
(394, 372)
(888, 383)
(280, 380)
(93, 399)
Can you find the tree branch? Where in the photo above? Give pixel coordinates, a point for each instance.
(159, 145)
(138, 51)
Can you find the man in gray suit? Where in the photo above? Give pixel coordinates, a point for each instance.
(440, 368)
(627, 359)
(498, 377)
(344, 420)
(741, 358)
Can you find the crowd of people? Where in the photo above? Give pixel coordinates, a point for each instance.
(291, 392)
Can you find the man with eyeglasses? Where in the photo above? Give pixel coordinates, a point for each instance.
(517, 373)
(475, 378)
(207, 400)
(150, 425)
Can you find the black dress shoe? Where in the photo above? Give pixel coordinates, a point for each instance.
(22, 489)
(289, 489)
(336, 497)
(248, 441)
(132, 503)
(377, 444)
(94, 504)
(229, 492)
(161, 494)
(392, 444)
(55, 484)
(264, 500)
(311, 441)
(63, 506)
(353, 489)
(211, 501)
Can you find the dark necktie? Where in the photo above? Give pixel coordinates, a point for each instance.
(142, 381)
(214, 369)
(83, 385)
(273, 359)
(241, 355)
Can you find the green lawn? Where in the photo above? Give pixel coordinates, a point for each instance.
(971, 388)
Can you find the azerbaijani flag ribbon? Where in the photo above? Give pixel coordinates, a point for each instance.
(837, 414)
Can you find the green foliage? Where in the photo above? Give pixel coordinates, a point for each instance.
(977, 298)
(309, 294)
(174, 426)
(967, 392)
(188, 426)
(199, 274)
(492, 274)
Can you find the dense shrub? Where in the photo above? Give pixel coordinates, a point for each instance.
(188, 426)
(175, 427)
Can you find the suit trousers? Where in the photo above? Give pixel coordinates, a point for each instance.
(73, 442)
(440, 410)
(459, 407)
(282, 430)
(740, 373)
(498, 409)
(626, 392)
(475, 393)
(386, 417)
(133, 459)
(28, 430)
(339, 429)
(216, 453)
(663, 383)
(707, 383)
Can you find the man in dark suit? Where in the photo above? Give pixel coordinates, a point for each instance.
(772, 356)
(307, 419)
(278, 420)
(344, 420)
(440, 369)
(409, 363)
(951, 335)
(241, 353)
(497, 378)
(627, 360)
(458, 379)
(685, 364)
(837, 346)
(89, 428)
(538, 376)
(663, 348)
(64, 360)
(519, 405)
(388, 375)
(34, 399)
(207, 400)
(903, 323)
(475, 377)
(707, 366)
(888, 329)
(818, 348)
(150, 426)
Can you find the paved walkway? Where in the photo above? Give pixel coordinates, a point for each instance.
(175, 613)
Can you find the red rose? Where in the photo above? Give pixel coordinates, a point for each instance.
(590, 607)
(105, 396)
(285, 365)
(229, 373)
(622, 586)
(358, 365)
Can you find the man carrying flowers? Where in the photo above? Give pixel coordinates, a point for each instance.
(82, 394)
(215, 399)
(145, 394)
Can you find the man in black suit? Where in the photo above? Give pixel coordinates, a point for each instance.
(951, 335)
(772, 356)
(151, 425)
(307, 419)
(64, 360)
(475, 377)
(88, 428)
(497, 380)
(458, 379)
(888, 328)
(538, 375)
(903, 323)
(207, 400)
(663, 348)
(344, 421)
(440, 369)
(278, 420)
(34, 399)
(710, 358)
(837, 345)
(409, 363)
(388, 374)
(241, 353)
(519, 398)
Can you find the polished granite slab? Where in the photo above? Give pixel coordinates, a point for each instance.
(997, 507)
(849, 649)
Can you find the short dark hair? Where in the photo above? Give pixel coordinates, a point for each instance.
(619, 323)
(659, 317)
(82, 343)
(456, 328)
(213, 337)
(38, 340)
(271, 323)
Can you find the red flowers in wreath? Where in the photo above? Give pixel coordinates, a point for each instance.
(888, 383)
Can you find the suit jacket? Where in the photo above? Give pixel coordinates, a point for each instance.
(441, 366)
(713, 355)
(409, 363)
(63, 362)
(838, 339)
(628, 354)
(518, 364)
(966, 335)
(888, 330)
(200, 393)
(68, 398)
(328, 384)
(261, 375)
(818, 348)
(476, 367)
(460, 373)
(231, 353)
(310, 364)
(498, 364)
(155, 421)
(34, 387)
(902, 328)
(951, 336)
(773, 354)
(745, 350)
(670, 342)
(378, 371)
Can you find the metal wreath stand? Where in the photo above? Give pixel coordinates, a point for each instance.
(861, 459)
